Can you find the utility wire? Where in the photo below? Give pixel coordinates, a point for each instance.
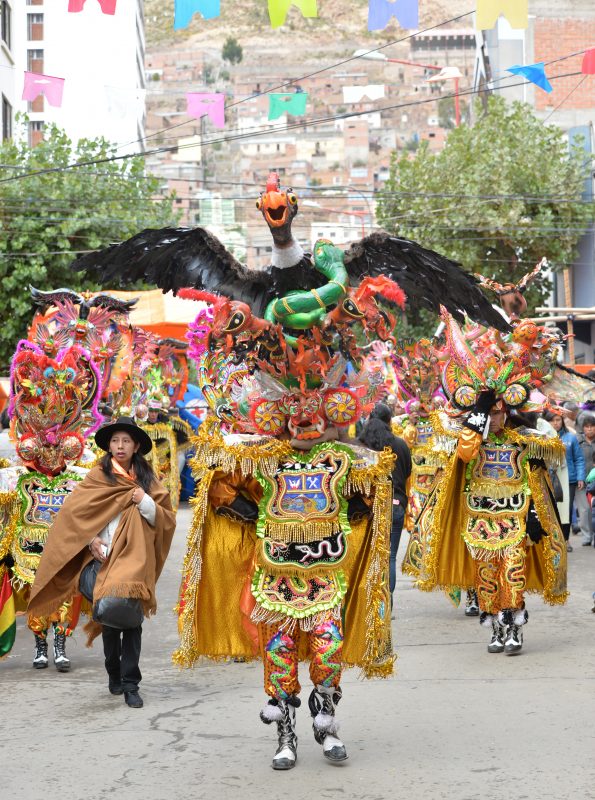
(317, 72)
(237, 137)
(560, 104)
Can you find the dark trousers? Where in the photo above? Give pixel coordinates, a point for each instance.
(122, 653)
(395, 538)
(567, 525)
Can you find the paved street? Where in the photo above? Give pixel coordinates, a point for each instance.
(455, 723)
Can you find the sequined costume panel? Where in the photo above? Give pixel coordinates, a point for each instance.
(496, 501)
(501, 582)
(280, 654)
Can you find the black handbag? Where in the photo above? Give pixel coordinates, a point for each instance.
(122, 613)
(556, 486)
(87, 579)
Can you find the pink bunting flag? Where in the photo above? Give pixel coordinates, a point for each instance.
(588, 67)
(107, 6)
(36, 84)
(206, 105)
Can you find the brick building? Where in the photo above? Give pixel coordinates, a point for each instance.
(557, 29)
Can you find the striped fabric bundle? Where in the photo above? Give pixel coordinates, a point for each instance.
(8, 627)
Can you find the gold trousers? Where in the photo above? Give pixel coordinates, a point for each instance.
(500, 582)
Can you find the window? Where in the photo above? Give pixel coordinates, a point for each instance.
(34, 27)
(6, 22)
(6, 119)
(36, 132)
(35, 61)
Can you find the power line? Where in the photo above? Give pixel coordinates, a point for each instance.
(318, 72)
(560, 104)
(289, 126)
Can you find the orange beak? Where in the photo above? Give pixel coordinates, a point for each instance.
(275, 208)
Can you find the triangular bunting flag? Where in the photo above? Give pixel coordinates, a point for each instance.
(52, 88)
(534, 73)
(380, 13)
(278, 10)
(201, 104)
(107, 6)
(588, 67)
(184, 10)
(488, 11)
(355, 94)
(125, 102)
(294, 104)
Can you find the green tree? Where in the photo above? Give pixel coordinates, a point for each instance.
(50, 213)
(499, 196)
(447, 113)
(232, 50)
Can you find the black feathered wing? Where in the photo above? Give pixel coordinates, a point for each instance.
(428, 279)
(172, 259)
(44, 300)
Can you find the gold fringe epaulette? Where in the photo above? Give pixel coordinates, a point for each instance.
(445, 445)
(549, 449)
(538, 445)
(364, 478)
(444, 440)
(264, 454)
(180, 425)
(159, 430)
(435, 456)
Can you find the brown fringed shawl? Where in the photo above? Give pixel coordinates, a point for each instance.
(138, 549)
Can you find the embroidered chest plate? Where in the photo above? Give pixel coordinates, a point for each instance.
(302, 519)
(424, 434)
(302, 504)
(498, 463)
(41, 498)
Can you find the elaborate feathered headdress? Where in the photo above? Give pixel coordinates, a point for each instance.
(514, 367)
(419, 372)
(53, 405)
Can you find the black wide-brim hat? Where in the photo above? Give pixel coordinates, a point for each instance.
(104, 434)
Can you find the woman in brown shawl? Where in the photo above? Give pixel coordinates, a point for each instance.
(121, 516)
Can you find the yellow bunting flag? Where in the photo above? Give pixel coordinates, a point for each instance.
(515, 11)
(278, 10)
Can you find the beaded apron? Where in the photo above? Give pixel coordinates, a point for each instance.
(496, 502)
(303, 531)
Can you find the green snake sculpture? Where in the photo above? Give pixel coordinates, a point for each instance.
(302, 310)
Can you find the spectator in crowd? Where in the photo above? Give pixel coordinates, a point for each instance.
(570, 418)
(576, 474)
(586, 439)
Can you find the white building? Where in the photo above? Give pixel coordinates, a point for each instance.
(8, 47)
(101, 58)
